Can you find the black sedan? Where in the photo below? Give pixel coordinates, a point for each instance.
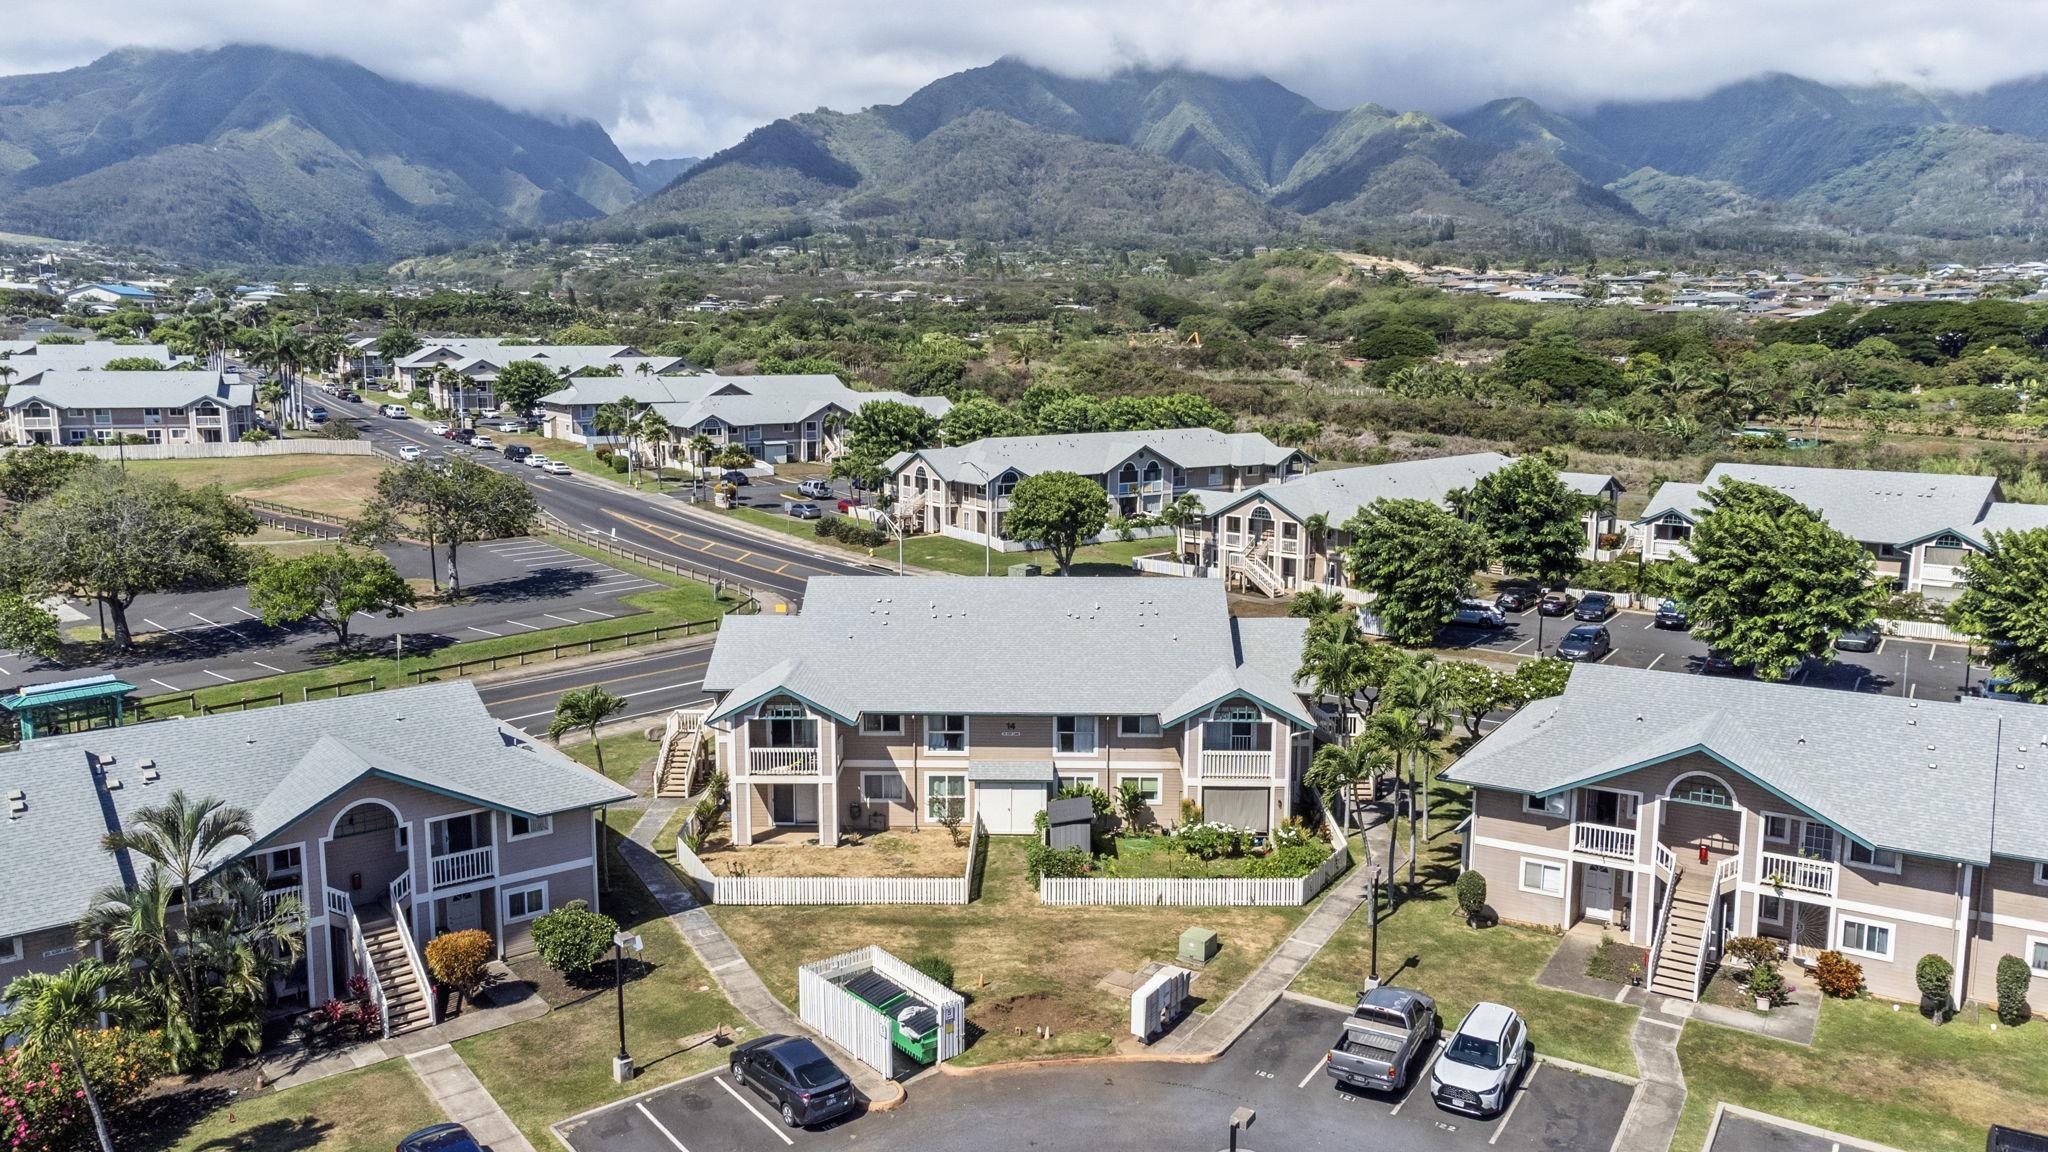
(1671, 614)
(1719, 663)
(1597, 606)
(791, 1073)
(736, 478)
(1587, 642)
(1859, 640)
(1557, 604)
(1515, 599)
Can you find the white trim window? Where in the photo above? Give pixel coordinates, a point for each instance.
(518, 827)
(1543, 877)
(1073, 735)
(1137, 725)
(1076, 780)
(1872, 938)
(1150, 784)
(401, 838)
(10, 949)
(881, 723)
(2037, 955)
(945, 793)
(1552, 805)
(883, 788)
(1777, 828)
(946, 735)
(1771, 910)
(1873, 859)
(282, 862)
(1817, 840)
(523, 904)
(2041, 873)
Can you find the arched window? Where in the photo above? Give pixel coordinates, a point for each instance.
(1702, 790)
(364, 819)
(1128, 474)
(1152, 472)
(1005, 484)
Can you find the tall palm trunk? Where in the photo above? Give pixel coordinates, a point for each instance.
(92, 1100)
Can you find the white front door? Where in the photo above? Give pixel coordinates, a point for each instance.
(806, 803)
(1598, 893)
(463, 913)
(1007, 809)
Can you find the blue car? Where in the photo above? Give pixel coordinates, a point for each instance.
(1597, 606)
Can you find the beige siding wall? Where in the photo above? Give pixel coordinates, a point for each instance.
(2007, 892)
(574, 883)
(1500, 815)
(876, 814)
(51, 950)
(1928, 887)
(1502, 868)
(1893, 979)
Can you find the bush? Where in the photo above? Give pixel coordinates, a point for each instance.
(1209, 841)
(938, 968)
(1752, 952)
(1837, 975)
(847, 530)
(1042, 860)
(1933, 975)
(620, 463)
(1287, 862)
(1471, 894)
(1190, 812)
(456, 960)
(572, 938)
(603, 451)
(2014, 977)
(1764, 983)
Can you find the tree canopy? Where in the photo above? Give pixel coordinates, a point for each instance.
(1534, 523)
(1059, 510)
(331, 587)
(880, 429)
(455, 502)
(2004, 605)
(1417, 560)
(522, 383)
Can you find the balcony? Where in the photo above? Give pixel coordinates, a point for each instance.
(782, 761)
(1797, 874)
(272, 897)
(1145, 487)
(1604, 840)
(1217, 764)
(463, 867)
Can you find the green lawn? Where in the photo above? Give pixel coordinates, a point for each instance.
(1147, 857)
(945, 554)
(362, 1111)
(678, 601)
(1425, 945)
(624, 754)
(1876, 1073)
(557, 1065)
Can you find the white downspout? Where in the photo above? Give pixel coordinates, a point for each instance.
(1963, 935)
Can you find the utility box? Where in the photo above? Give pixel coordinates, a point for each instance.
(1070, 823)
(1159, 1002)
(1024, 570)
(1197, 946)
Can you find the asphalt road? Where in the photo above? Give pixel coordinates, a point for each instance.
(1275, 1069)
(652, 685)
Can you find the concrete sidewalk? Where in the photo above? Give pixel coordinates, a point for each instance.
(465, 1100)
(511, 1000)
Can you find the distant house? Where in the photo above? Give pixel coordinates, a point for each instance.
(110, 294)
(775, 418)
(60, 406)
(459, 374)
(26, 356)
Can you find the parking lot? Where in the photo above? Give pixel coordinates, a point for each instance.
(1143, 1106)
(1921, 669)
(1745, 1131)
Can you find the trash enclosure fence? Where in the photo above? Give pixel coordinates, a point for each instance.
(872, 1004)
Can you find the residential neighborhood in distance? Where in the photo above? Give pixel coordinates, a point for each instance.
(1468, 581)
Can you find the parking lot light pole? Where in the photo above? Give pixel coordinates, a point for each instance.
(1240, 1119)
(622, 1064)
(1372, 979)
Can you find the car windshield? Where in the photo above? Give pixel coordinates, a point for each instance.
(1474, 1051)
(1581, 635)
(815, 1071)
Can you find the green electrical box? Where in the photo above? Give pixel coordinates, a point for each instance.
(1023, 569)
(1197, 946)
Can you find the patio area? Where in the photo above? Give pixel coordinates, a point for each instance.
(794, 851)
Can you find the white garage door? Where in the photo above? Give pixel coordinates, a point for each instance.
(1007, 809)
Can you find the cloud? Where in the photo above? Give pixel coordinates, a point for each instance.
(689, 77)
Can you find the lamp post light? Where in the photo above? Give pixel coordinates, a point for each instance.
(1372, 979)
(622, 1064)
(1240, 1119)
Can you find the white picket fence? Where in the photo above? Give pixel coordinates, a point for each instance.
(1241, 893)
(1922, 630)
(209, 451)
(858, 1027)
(796, 890)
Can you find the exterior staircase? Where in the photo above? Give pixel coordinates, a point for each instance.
(1684, 936)
(405, 1002)
(1252, 565)
(682, 749)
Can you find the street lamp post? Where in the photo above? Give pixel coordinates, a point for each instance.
(622, 1064)
(1372, 980)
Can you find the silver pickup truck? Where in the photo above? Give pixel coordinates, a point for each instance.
(1382, 1039)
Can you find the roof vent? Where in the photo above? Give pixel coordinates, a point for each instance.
(1801, 740)
(15, 795)
(113, 783)
(16, 806)
(145, 764)
(104, 757)
(150, 776)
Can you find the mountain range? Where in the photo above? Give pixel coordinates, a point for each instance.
(256, 155)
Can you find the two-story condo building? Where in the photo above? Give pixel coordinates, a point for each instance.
(59, 406)
(1918, 526)
(964, 492)
(890, 703)
(462, 378)
(776, 418)
(1681, 810)
(391, 816)
(26, 356)
(1263, 538)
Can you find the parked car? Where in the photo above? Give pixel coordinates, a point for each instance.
(802, 509)
(1597, 606)
(1671, 614)
(735, 477)
(1478, 614)
(1382, 1038)
(849, 503)
(816, 489)
(395, 412)
(1557, 604)
(1859, 640)
(511, 426)
(440, 1138)
(409, 452)
(517, 452)
(1996, 688)
(349, 395)
(1515, 599)
(1587, 642)
(481, 440)
(1485, 1058)
(792, 1074)
(462, 435)
(536, 460)
(1719, 663)
(556, 468)
(317, 414)
(438, 428)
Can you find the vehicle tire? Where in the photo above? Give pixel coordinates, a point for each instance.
(788, 1114)
(739, 1074)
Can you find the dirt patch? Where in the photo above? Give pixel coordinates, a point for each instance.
(790, 852)
(1025, 1015)
(335, 485)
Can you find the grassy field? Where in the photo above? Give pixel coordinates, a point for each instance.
(1425, 945)
(1877, 1073)
(1020, 963)
(624, 754)
(945, 554)
(556, 1065)
(336, 485)
(362, 1111)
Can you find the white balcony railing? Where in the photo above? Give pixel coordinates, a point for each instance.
(1798, 874)
(1604, 840)
(1258, 764)
(339, 904)
(1667, 864)
(399, 892)
(272, 897)
(463, 867)
(782, 761)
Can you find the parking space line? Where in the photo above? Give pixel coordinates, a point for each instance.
(595, 612)
(1653, 662)
(1410, 1094)
(217, 676)
(485, 631)
(1312, 1073)
(660, 1127)
(563, 619)
(749, 1106)
(245, 612)
(272, 667)
(522, 624)
(154, 680)
(1515, 1103)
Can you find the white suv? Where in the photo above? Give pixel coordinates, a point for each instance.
(1482, 1062)
(1478, 614)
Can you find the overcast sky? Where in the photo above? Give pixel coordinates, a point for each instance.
(687, 77)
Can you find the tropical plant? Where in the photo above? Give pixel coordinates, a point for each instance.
(585, 708)
(573, 939)
(42, 1101)
(1403, 739)
(1310, 603)
(1133, 806)
(459, 961)
(1836, 975)
(1337, 767)
(1766, 983)
(51, 1013)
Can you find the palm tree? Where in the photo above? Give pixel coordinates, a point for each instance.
(701, 448)
(185, 838)
(585, 708)
(1423, 689)
(1315, 603)
(1400, 735)
(1334, 660)
(6, 373)
(1336, 768)
(50, 1010)
(652, 428)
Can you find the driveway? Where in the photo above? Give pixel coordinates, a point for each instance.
(1144, 1106)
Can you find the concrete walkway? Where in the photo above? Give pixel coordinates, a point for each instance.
(463, 1097)
(510, 1001)
(1652, 1118)
(734, 976)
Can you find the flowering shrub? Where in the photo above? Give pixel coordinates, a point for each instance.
(42, 1105)
(1287, 862)
(1210, 840)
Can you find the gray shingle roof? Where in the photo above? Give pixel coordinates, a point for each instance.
(60, 388)
(1048, 646)
(277, 763)
(687, 402)
(1339, 492)
(1095, 453)
(1868, 506)
(27, 355)
(1921, 776)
